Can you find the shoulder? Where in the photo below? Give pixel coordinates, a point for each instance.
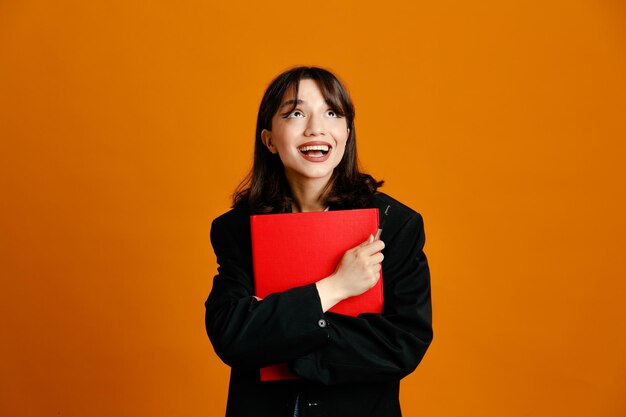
(400, 216)
(399, 212)
(232, 227)
(382, 200)
(232, 218)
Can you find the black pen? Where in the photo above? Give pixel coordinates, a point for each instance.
(382, 223)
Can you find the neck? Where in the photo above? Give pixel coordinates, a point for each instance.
(307, 194)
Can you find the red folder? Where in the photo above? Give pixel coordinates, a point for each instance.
(296, 249)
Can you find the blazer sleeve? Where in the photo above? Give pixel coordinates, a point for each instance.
(387, 346)
(247, 333)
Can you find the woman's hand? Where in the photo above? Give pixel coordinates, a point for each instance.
(357, 272)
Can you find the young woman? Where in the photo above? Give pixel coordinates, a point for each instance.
(305, 160)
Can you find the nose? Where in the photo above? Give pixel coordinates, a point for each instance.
(315, 126)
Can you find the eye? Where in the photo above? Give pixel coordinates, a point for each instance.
(295, 114)
(332, 113)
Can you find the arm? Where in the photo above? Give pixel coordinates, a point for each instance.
(244, 331)
(357, 271)
(381, 347)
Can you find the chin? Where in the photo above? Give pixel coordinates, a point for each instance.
(305, 174)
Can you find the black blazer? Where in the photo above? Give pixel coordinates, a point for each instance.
(349, 366)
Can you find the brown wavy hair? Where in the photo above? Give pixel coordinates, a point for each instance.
(265, 188)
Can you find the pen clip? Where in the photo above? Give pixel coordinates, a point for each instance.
(382, 223)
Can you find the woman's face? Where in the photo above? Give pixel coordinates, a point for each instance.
(310, 139)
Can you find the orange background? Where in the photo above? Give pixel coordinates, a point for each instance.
(125, 126)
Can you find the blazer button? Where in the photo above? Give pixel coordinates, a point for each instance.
(322, 323)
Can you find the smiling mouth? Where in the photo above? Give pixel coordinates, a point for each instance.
(315, 151)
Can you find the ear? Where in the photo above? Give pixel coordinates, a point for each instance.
(266, 137)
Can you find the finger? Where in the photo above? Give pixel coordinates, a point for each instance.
(369, 240)
(377, 258)
(373, 247)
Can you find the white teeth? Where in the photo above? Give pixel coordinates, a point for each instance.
(324, 148)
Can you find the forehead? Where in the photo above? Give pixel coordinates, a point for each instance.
(308, 90)
(313, 92)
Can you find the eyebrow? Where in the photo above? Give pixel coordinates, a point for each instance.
(291, 102)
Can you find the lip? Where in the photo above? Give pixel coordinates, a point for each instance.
(316, 158)
(315, 143)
